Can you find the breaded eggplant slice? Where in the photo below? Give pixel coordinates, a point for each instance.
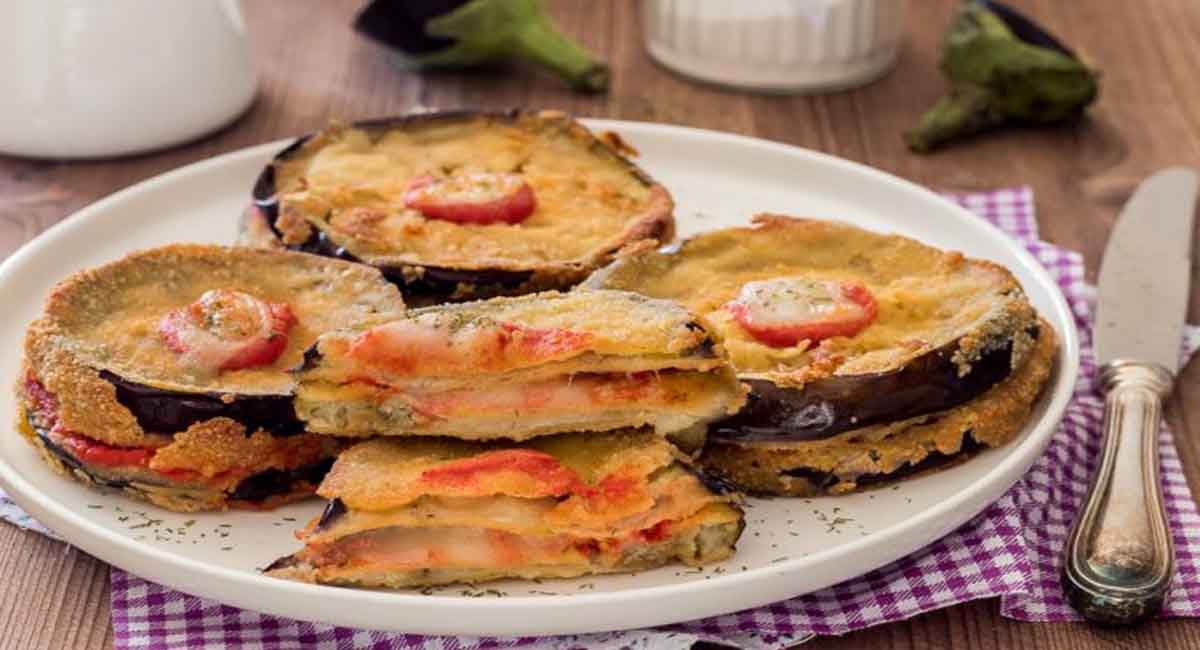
(521, 367)
(166, 372)
(887, 452)
(415, 512)
(835, 327)
(304, 461)
(348, 192)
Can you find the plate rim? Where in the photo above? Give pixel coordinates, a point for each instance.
(115, 549)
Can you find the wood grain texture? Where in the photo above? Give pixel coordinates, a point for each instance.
(313, 68)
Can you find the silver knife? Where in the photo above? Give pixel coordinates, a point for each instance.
(1118, 559)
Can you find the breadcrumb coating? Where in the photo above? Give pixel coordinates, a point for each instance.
(992, 419)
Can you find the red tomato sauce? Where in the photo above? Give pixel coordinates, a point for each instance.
(94, 452)
(657, 533)
(541, 467)
(97, 453)
(544, 343)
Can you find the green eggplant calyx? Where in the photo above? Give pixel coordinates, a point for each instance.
(996, 78)
(966, 110)
(484, 31)
(542, 43)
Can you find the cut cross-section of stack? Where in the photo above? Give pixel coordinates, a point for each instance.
(517, 437)
(425, 511)
(516, 368)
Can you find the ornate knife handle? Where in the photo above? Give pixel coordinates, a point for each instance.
(1118, 557)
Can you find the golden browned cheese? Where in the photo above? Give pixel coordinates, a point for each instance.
(425, 512)
(216, 456)
(350, 182)
(992, 419)
(927, 297)
(609, 323)
(673, 494)
(385, 473)
(219, 445)
(705, 537)
(614, 359)
(107, 318)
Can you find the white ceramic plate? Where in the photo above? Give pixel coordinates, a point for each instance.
(791, 546)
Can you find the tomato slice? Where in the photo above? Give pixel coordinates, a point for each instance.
(227, 330)
(545, 474)
(472, 198)
(659, 532)
(782, 312)
(428, 346)
(94, 452)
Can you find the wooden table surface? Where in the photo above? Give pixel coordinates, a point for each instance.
(313, 67)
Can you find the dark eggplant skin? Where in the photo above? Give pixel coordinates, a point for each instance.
(836, 404)
(431, 284)
(935, 460)
(334, 510)
(274, 482)
(402, 24)
(715, 484)
(1025, 29)
(70, 461)
(285, 562)
(254, 489)
(164, 411)
(434, 284)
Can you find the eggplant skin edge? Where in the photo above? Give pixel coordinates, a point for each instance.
(710, 543)
(263, 491)
(888, 452)
(428, 285)
(836, 404)
(163, 410)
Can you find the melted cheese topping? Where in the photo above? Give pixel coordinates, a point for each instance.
(673, 494)
(506, 334)
(351, 184)
(381, 474)
(406, 557)
(520, 367)
(994, 419)
(108, 317)
(490, 528)
(927, 297)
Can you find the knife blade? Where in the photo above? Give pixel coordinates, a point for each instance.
(1118, 560)
(1145, 272)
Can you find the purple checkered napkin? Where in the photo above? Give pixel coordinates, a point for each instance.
(1011, 550)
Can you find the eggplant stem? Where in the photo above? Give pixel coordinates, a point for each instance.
(963, 112)
(540, 42)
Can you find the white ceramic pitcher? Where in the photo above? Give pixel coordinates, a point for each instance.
(95, 78)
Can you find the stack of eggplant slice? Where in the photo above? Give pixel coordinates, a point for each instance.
(538, 435)
(165, 374)
(870, 357)
(518, 368)
(459, 205)
(516, 437)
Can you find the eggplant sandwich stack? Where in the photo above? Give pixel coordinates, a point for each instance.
(516, 437)
(869, 357)
(166, 374)
(460, 205)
